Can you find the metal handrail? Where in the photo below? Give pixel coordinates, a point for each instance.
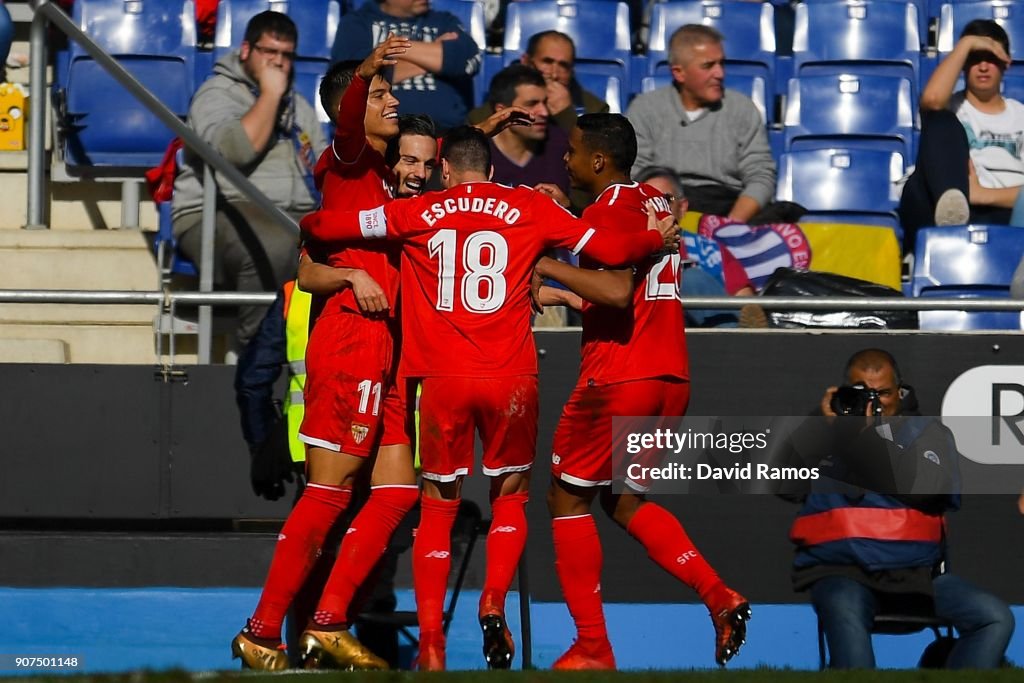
(817, 303)
(47, 11)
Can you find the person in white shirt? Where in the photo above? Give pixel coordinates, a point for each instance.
(970, 165)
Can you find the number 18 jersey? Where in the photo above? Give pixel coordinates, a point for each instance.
(467, 260)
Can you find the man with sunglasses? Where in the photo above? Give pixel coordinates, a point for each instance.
(249, 111)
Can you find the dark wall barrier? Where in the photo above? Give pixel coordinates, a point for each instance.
(112, 477)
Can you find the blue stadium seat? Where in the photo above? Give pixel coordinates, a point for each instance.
(608, 88)
(168, 260)
(967, 261)
(842, 185)
(317, 22)
(1013, 85)
(749, 31)
(600, 30)
(926, 10)
(102, 124)
(753, 87)
(842, 110)
(860, 37)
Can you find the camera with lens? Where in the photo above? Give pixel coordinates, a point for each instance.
(855, 399)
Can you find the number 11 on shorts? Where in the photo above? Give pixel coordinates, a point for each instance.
(367, 387)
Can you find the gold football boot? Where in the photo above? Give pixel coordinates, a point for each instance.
(256, 656)
(329, 649)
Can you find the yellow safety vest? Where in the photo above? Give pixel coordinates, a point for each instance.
(296, 325)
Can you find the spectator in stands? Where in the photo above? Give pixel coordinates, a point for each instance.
(249, 112)
(526, 155)
(554, 55)
(435, 77)
(710, 269)
(854, 551)
(713, 137)
(970, 163)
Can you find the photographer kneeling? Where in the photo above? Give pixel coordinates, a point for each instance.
(870, 534)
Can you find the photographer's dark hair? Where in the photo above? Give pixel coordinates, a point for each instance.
(409, 124)
(273, 24)
(611, 134)
(335, 83)
(505, 82)
(989, 29)
(467, 149)
(873, 359)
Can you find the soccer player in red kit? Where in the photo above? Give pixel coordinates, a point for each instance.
(352, 407)
(468, 255)
(634, 362)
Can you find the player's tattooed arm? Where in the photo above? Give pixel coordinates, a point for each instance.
(602, 287)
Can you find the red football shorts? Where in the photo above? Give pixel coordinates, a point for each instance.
(352, 403)
(582, 453)
(502, 409)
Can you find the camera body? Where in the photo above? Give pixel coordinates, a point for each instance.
(854, 400)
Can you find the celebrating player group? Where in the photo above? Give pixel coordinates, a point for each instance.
(433, 293)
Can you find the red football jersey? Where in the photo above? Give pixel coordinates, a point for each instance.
(645, 340)
(467, 260)
(353, 175)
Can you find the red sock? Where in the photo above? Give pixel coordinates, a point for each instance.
(432, 561)
(366, 540)
(298, 545)
(578, 561)
(505, 542)
(668, 545)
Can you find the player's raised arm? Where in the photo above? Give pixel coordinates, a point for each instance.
(350, 132)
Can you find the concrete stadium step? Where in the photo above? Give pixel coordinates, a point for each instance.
(77, 260)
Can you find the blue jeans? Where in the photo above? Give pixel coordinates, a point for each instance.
(846, 609)
(697, 282)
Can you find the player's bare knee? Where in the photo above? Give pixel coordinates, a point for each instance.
(442, 490)
(509, 483)
(620, 506)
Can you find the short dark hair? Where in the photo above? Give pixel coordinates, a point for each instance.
(873, 359)
(504, 84)
(989, 29)
(467, 149)
(611, 134)
(334, 84)
(409, 124)
(536, 38)
(271, 23)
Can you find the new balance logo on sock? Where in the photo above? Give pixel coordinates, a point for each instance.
(438, 554)
(504, 530)
(350, 530)
(688, 555)
(281, 537)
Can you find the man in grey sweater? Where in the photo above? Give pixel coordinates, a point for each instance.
(713, 137)
(250, 113)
